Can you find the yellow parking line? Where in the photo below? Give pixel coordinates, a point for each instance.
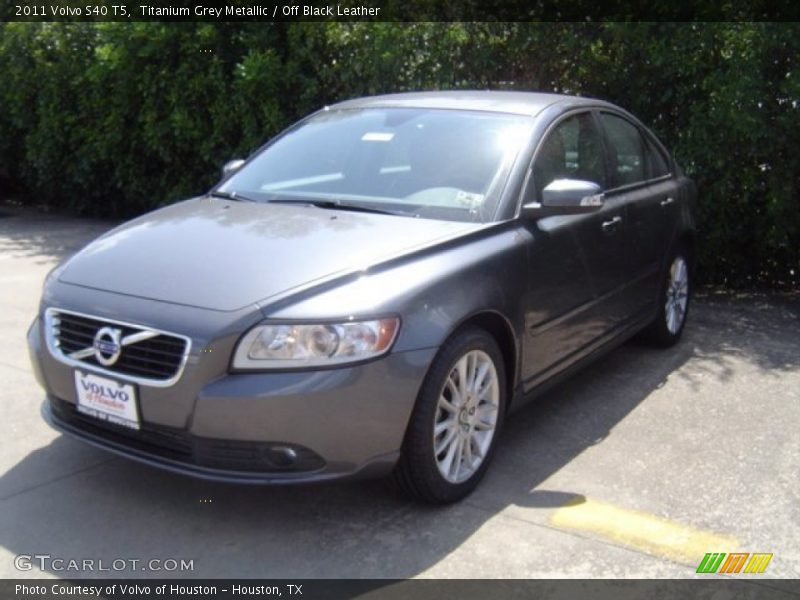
(643, 531)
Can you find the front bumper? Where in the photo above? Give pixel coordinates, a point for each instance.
(279, 427)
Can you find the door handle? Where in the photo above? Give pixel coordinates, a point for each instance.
(610, 226)
(667, 201)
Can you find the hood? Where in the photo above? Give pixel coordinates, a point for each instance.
(224, 255)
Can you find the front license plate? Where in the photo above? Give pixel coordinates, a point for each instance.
(107, 400)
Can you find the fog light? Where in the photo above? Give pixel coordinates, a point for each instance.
(282, 456)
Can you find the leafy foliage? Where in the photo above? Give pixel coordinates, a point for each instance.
(114, 119)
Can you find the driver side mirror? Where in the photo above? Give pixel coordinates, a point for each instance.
(566, 197)
(230, 167)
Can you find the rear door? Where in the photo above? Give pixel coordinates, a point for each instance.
(640, 178)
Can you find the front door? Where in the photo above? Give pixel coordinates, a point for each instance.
(575, 272)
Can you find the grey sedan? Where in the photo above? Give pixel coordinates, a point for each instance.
(373, 291)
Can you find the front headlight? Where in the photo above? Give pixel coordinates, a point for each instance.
(297, 345)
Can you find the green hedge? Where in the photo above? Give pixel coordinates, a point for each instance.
(113, 119)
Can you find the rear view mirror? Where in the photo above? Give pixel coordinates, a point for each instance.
(230, 167)
(567, 197)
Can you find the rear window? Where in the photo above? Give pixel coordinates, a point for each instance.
(627, 150)
(657, 164)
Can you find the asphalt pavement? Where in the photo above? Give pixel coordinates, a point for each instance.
(636, 467)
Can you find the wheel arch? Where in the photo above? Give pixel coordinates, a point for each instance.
(688, 240)
(499, 327)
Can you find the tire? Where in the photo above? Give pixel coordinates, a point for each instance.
(674, 300)
(450, 439)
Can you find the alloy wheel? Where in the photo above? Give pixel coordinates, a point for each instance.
(466, 416)
(677, 294)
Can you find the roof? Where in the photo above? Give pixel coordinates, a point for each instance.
(522, 103)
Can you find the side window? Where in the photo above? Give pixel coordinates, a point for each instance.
(656, 161)
(573, 150)
(627, 150)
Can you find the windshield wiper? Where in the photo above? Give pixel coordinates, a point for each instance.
(338, 204)
(230, 196)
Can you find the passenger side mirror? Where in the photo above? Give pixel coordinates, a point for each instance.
(230, 167)
(566, 197)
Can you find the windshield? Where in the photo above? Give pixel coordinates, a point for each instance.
(440, 164)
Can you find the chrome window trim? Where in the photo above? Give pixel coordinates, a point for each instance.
(52, 312)
(629, 187)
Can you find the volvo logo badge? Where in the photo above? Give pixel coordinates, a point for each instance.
(107, 345)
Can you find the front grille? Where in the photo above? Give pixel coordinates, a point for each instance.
(179, 445)
(158, 358)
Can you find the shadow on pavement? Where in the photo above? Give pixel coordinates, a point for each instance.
(116, 508)
(111, 508)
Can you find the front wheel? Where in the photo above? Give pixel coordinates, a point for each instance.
(674, 299)
(453, 430)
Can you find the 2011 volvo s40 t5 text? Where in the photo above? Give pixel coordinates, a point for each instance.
(371, 292)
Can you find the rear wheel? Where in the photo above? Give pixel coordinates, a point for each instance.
(453, 430)
(676, 290)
